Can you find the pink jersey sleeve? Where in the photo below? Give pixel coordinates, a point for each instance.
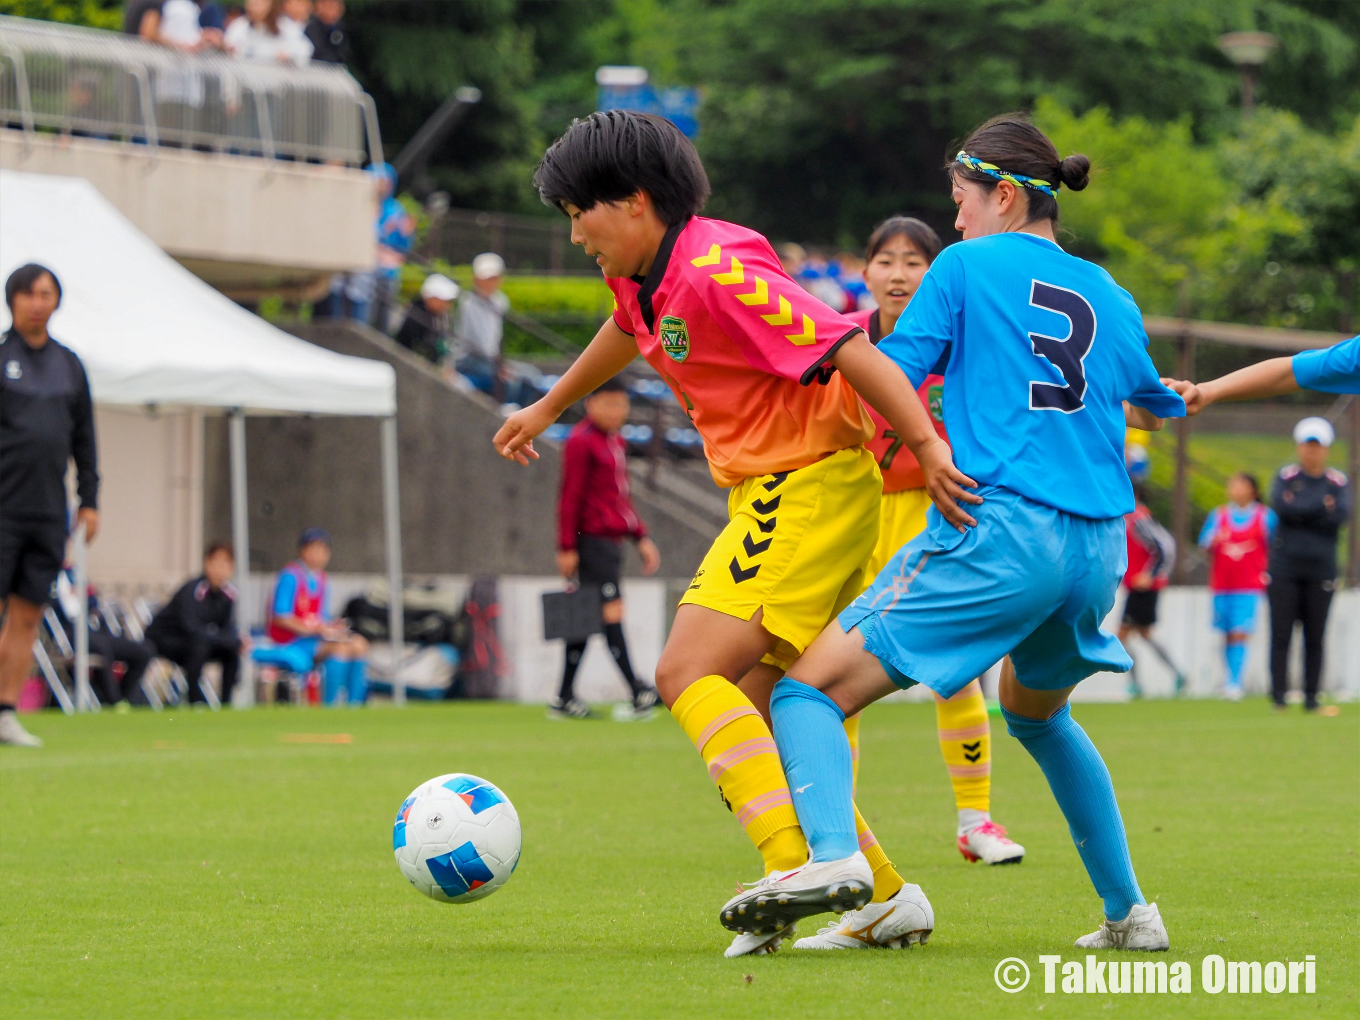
(779, 327)
(624, 303)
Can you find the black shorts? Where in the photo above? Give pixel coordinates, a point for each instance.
(601, 560)
(1140, 610)
(31, 554)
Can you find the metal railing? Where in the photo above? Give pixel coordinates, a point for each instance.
(529, 244)
(83, 81)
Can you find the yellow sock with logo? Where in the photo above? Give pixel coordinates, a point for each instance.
(739, 750)
(852, 732)
(886, 879)
(966, 743)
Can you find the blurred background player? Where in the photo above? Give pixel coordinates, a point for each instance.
(594, 514)
(772, 380)
(46, 421)
(1237, 538)
(899, 252)
(1036, 412)
(1311, 502)
(300, 617)
(1152, 555)
(198, 624)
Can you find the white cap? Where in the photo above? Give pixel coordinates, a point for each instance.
(486, 265)
(441, 288)
(1314, 430)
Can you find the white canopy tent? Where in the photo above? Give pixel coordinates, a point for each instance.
(151, 334)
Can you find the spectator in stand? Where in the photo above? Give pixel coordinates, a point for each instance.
(1237, 537)
(481, 326)
(264, 35)
(396, 230)
(198, 625)
(594, 514)
(300, 616)
(111, 655)
(46, 420)
(188, 25)
(1312, 502)
(1151, 557)
(328, 34)
(427, 319)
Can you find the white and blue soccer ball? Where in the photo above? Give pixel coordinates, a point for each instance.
(456, 838)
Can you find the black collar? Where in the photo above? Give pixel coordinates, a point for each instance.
(652, 280)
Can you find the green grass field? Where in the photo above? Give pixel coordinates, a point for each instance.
(204, 865)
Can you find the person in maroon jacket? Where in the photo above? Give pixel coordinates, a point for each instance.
(594, 514)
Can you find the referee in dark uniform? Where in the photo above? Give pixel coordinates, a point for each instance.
(46, 419)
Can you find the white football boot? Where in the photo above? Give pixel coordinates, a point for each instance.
(782, 897)
(904, 920)
(12, 732)
(757, 945)
(1142, 929)
(989, 844)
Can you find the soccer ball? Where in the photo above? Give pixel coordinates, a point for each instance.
(456, 838)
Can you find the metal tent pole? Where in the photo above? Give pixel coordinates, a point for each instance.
(84, 695)
(392, 527)
(240, 540)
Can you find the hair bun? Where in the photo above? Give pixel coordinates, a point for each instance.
(1075, 172)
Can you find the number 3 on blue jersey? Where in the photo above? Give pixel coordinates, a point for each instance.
(1066, 354)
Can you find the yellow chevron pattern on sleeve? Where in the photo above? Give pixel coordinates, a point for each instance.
(713, 257)
(759, 296)
(784, 316)
(735, 275)
(808, 336)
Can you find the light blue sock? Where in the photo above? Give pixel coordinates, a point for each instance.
(1236, 657)
(334, 673)
(810, 734)
(357, 684)
(1081, 784)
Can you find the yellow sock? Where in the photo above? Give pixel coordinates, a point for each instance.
(852, 732)
(886, 879)
(739, 750)
(966, 743)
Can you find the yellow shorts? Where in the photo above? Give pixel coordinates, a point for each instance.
(795, 546)
(903, 518)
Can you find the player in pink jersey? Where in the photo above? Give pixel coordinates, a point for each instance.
(772, 380)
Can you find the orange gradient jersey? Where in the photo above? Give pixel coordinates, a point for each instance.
(744, 349)
(897, 463)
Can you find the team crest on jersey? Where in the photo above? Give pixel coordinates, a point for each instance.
(13, 370)
(935, 400)
(674, 336)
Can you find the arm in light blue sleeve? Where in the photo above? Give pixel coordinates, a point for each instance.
(285, 595)
(1334, 369)
(926, 328)
(1206, 533)
(1272, 521)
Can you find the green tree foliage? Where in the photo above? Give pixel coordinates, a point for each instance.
(92, 13)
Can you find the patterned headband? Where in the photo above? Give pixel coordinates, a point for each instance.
(1019, 180)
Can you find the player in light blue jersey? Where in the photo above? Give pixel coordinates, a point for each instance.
(1047, 358)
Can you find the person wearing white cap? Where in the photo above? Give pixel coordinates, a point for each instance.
(1312, 502)
(481, 317)
(427, 320)
(1334, 369)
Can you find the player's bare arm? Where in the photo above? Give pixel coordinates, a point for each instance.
(609, 353)
(1141, 418)
(886, 389)
(1265, 379)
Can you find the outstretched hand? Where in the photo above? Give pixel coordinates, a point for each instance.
(514, 440)
(1196, 400)
(946, 484)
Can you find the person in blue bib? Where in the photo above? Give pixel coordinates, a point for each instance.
(1048, 361)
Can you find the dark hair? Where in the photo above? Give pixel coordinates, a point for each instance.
(921, 235)
(608, 156)
(1011, 142)
(310, 535)
(219, 547)
(1250, 479)
(21, 281)
(614, 385)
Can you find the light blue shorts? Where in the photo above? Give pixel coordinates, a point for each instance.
(1235, 611)
(1029, 581)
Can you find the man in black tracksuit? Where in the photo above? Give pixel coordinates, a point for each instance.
(1312, 502)
(46, 419)
(198, 625)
